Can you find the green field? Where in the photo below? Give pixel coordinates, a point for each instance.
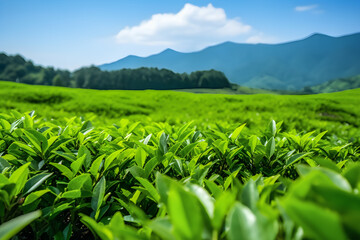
(338, 113)
(167, 165)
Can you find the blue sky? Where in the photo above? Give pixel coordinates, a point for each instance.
(70, 34)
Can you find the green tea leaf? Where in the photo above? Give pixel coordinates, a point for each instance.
(83, 151)
(16, 123)
(317, 222)
(76, 165)
(103, 232)
(352, 174)
(204, 198)
(237, 132)
(140, 157)
(318, 138)
(96, 165)
(242, 224)
(163, 184)
(34, 182)
(12, 227)
(150, 188)
(3, 164)
(25, 147)
(137, 172)
(37, 139)
(270, 147)
(184, 211)
(162, 227)
(296, 157)
(98, 196)
(253, 140)
(82, 182)
(272, 128)
(222, 146)
(223, 204)
(250, 195)
(19, 177)
(77, 193)
(34, 196)
(163, 144)
(187, 149)
(64, 170)
(214, 189)
(111, 158)
(117, 221)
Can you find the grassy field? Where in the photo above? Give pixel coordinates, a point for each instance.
(166, 165)
(235, 89)
(338, 113)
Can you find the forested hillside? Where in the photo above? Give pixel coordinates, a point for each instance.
(17, 69)
(335, 85)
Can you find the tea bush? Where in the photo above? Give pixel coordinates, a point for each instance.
(337, 113)
(68, 179)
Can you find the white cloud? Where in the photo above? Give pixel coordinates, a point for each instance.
(306, 8)
(260, 38)
(191, 28)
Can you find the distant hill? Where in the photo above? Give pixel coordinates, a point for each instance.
(335, 85)
(290, 66)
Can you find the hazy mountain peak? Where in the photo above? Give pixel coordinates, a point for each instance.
(228, 43)
(291, 65)
(319, 35)
(168, 50)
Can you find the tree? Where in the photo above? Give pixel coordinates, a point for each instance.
(16, 68)
(57, 81)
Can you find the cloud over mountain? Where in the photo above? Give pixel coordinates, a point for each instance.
(306, 8)
(191, 27)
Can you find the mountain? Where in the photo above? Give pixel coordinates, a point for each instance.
(335, 85)
(290, 66)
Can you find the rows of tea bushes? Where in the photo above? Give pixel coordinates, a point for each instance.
(70, 180)
(336, 113)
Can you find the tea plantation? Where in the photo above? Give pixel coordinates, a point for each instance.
(90, 164)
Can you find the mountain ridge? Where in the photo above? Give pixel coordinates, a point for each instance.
(289, 65)
(225, 43)
(335, 85)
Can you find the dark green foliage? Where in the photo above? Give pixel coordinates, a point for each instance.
(137, 180)
(16, 69)
(147, 78)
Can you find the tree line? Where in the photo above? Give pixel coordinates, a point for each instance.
(17, 69)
